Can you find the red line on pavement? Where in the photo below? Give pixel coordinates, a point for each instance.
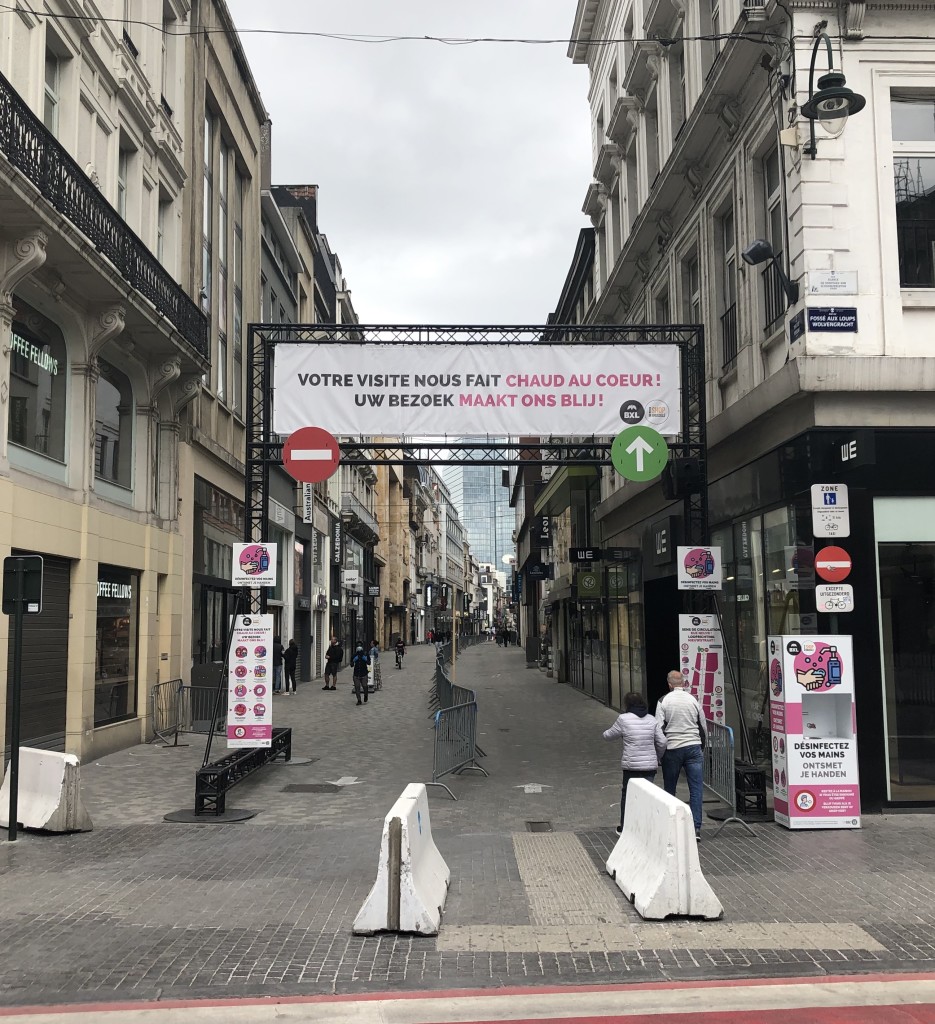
(472, 993)
(920, 1013)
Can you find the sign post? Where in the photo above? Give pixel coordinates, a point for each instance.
(22, 594)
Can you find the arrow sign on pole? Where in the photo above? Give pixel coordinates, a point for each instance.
(639, 447)
(639, 453)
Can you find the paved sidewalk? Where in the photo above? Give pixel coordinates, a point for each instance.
(143, 909)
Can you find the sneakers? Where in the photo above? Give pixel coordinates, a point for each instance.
(327, 687)
(698, 836)
(359, 702)
(619, 829)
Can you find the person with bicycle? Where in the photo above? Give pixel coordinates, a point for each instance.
(400, 651)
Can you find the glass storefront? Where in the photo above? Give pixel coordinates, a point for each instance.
(115, 663)
(38, 383)
(905, 531)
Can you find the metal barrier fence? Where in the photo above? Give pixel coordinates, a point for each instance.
(455, 743)
(719, 775)
(177, 708)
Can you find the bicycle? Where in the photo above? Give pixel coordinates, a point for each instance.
(399, 659)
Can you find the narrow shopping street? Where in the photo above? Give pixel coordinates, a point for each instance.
(143, 909)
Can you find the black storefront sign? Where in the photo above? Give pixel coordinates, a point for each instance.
(542, 532)
(537, 571)
(832, 318)
(578, 555)
(856, 448)
(663, 540)
(797, 326)
(337, 554)
(621, 554)
(373, 591)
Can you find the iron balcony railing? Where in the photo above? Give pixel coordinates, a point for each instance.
(774, 297)
(34, 151)
(729, 338)
(355, 514)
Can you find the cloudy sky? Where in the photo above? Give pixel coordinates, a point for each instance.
(451, 177)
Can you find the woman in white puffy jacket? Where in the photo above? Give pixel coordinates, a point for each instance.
(644, 743)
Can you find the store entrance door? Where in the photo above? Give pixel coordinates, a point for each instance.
(905, 533)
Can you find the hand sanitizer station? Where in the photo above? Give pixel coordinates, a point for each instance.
(814, 736)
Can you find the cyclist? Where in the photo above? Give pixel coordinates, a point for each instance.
(400, 652)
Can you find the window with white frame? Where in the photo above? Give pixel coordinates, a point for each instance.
(237, 382)
(691, 289)
(113, 426)
(774, 296)
(913, 120)
(52, 96)
(727, 286)
(124, 161)
(677, 96)
(207, 214)
(224, 160)
(661, 310)
(164, 230)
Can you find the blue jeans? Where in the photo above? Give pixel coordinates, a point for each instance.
(277, 679)
(623, 792)
(692, 760)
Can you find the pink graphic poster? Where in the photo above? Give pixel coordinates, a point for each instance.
(814, 741)
(701, 661)
(250, 680)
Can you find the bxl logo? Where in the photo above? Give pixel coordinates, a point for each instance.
(830, 499)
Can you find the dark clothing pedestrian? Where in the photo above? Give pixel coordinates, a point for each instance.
(277, 665)
(289, 659)
(333, 658)
(360, 664)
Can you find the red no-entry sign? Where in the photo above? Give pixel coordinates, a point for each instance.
(833, 564)
(311, 455)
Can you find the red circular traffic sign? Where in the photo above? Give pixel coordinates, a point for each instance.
(311, 455)
(833, 564)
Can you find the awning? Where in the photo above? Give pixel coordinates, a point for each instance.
(566, 484)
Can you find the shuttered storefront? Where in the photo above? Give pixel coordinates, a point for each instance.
(44, 663)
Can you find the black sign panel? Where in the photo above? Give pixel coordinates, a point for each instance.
(336, 542)
(30, 568)
(542, 532)
(579, 555)
(621, 554)
(797, 326)
(663, 541)
(373, 591)
(856, 448)
(538, 571)
(832, 318)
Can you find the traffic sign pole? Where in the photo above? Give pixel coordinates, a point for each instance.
(19, 593)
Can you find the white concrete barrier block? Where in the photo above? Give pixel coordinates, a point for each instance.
(655, 861)
(412, 884)
(49, 792)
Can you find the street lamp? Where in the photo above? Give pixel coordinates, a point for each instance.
(833, 102)
(759, 251)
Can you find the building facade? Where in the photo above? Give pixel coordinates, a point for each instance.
(701, 148)
(104, 351)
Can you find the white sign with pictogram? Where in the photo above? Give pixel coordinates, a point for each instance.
(834, 597)
(830, 515)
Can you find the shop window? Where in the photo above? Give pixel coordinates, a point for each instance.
(113, 427)
(115, 663)
(913, 118)
(788, 567)
(38, 375)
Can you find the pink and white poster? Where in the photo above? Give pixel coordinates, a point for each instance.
(698, 568)
(814, 739)
(701, 660)
(250, 683)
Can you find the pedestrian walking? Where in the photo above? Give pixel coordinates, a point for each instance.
(333, 658)
(376, 670)
(277, 664)
(359, 664)
(289, 660)
(683, 723)
(644, 744)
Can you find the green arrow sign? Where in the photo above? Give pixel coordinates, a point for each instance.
(639, 453)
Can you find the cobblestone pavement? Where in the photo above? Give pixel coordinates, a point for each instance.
(140, 908)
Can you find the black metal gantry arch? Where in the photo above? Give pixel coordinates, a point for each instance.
(264, 448)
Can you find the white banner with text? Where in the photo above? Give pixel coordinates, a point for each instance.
(476, 389)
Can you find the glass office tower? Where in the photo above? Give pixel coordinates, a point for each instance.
(483, 505)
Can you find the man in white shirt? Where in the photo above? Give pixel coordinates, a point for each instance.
(681, 720)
